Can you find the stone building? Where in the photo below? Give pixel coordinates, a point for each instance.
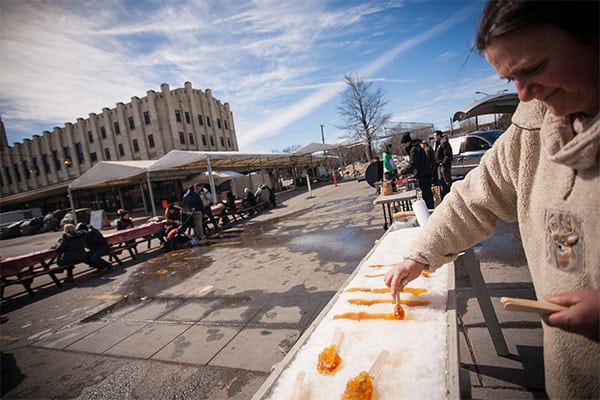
(36, 173)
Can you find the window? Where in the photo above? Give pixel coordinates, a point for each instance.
(8, 176)
(117, 128)
(17, 173)
(187, 117)
(212, 140)
(136, 146)
(90, 137)
(225, 122)
(106, 153)
(102, 132)
(222, 141)
(177, 116)
(146, 117)
(121, 150)
(151, 140)
(36, 167)
(26, 169)
(79, 150)
(228, 142)
(67, 154)
(219, 123)
(131, 123)
(200, 120)
(181, 138)
(93, 157)
(207, 121)
(203, 140)
(55, 156)
(191, 137)
(46, 163)
(475, 144)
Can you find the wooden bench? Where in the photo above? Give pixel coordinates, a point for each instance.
(23, 269)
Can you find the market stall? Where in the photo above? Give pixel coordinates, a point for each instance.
(423, 359)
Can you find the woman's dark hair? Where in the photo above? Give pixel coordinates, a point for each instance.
(504, 17)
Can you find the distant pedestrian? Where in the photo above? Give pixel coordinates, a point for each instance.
(193, 204)
(419, 166)
(390, 173)
(443, 162)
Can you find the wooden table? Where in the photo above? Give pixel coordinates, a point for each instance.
(402, 201)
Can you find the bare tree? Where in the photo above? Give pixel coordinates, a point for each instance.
(362, 108)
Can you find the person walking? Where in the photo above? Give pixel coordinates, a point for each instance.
(443, 162)
(544, 173)
(193, 204)
(418, 166)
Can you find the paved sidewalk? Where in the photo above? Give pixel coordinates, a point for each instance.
(211, 322)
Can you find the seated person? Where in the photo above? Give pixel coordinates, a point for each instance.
(71, 247)
(125, 222)
(96, 244)
(249, 201)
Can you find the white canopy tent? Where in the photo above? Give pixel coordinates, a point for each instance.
(313, 148)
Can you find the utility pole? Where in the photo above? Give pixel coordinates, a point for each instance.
(322, 134)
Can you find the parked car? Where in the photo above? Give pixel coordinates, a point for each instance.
(52, 219)
(467, 150)
(83, 215)
(12, 231)
(32, 226)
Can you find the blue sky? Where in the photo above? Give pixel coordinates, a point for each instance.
(280, 64)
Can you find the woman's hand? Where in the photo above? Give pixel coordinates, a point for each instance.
(582, 315)
(401, 274)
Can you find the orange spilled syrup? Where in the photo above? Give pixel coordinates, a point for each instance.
(413, 291)
(374, 275)
(360, 316)
(359, 388)
(370, 302)
(329, 361)
(425, 274)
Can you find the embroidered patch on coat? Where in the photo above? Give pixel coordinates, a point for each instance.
(565, 247)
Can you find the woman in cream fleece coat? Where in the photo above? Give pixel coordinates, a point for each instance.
(544, 172)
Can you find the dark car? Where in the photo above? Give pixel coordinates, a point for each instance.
(467, 150)
(12, 231)
(32, 226)
(52, 219)
(83, 215)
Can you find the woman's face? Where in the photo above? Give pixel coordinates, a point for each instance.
(549, 65)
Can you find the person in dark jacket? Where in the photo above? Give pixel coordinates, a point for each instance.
(193, 204)
(71, 247)
(443, 161)
(124, 221)
(419, 166)
(96, 244)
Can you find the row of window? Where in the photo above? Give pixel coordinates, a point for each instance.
(34, 169)
(200, 120)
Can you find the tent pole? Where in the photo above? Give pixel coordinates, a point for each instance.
(210, 179)
(72, 205)
(143, 197)
(151, 194)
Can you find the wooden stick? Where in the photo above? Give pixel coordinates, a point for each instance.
(514, 304)
(378, 364)
(297, 392)
(337, 336)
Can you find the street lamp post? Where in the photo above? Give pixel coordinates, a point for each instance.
(322, 134)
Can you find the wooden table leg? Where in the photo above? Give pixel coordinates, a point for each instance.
(471, 264)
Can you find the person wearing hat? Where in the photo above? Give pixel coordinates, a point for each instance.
(193, 204)
(97, 245)
(443, 162)
(419, 166)
(124, 221)
(389, 166)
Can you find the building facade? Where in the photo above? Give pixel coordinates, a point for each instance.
(40, 169)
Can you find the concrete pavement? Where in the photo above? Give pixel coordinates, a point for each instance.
(211, 322)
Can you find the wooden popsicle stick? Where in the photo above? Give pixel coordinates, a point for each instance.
(378, 364)
(337, 336)
(297, 392)
(515, 304)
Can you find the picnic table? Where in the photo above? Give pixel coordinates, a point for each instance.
(23, 269)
